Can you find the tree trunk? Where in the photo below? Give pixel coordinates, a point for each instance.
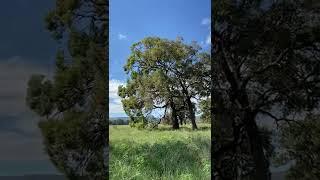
(180, 120)
(222, 136)
(261, 171)
(174, 118)
(191, 113)
(190, 106)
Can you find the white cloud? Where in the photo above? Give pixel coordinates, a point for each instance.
(115, 105)
(206, 21)
(208, 40)
(122, 36)
(22, 131)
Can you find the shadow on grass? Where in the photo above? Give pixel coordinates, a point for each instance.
(155, 160)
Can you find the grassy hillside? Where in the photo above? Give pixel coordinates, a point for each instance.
(159, 154)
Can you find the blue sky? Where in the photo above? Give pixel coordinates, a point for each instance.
(131, 21)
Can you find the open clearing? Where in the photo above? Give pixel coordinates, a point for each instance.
(160, 154)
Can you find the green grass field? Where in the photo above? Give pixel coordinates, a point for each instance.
(161, 154)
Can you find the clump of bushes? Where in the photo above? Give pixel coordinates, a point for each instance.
(142, 122)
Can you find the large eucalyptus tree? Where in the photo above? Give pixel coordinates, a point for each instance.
(164, 74)
(265, 63)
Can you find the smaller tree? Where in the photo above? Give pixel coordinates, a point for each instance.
(133, 104)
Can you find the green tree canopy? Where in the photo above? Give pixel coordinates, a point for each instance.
(72, 104)
(164, 74)
(205, 107)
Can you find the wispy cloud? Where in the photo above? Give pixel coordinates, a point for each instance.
(122, 36)
(115, 105)
(208, 40)
(206, 21)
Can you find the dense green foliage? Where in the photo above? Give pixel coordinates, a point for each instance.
(161, 154)
(164, 74)
(72, 104)
(205, 109)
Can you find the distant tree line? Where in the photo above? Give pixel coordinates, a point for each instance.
(118, 122)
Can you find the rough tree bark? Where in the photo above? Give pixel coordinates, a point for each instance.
(261, 170)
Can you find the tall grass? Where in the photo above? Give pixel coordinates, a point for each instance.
(161, 154)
